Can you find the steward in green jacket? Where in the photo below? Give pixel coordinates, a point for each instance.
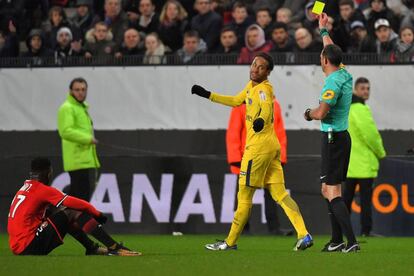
(78, 142)
(366, 151)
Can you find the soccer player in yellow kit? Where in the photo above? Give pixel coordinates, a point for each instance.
(260, 166)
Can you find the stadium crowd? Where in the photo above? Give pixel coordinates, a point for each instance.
(172, 31)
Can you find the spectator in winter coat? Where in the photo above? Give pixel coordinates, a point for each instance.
(132, 45)
(207, 23)
(264, 20)
(99, 42)
(379, 10)
(155, 50)
(404, 50)
(384, 42)
(173, 24)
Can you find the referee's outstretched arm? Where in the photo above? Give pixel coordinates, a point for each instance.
(323, 21)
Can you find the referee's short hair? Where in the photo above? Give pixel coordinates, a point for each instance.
(333, 53)
(268, 58)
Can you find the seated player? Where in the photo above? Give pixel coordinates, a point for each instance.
(40, 216)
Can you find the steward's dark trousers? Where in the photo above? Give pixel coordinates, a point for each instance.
(365, 191)
(82, 183)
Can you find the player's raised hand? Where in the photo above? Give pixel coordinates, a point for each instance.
(200, 91)
(323, 20)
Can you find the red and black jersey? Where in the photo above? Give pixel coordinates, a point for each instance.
(27, 211)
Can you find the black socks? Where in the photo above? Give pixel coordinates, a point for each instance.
(341, 214)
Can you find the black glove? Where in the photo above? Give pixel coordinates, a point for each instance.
(236, 164)
(101, 219)
(307, 115)
(258, 124)
(200, 91)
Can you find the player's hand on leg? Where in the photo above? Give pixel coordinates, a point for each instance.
(200, 91)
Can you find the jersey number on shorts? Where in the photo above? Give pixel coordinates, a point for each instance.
(15, 204)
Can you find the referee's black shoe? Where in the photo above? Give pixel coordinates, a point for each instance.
(351, 248)
(333, 247)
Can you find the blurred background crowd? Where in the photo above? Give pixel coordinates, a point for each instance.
(177, 31)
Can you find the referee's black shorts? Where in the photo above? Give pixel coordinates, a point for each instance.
(335, 157)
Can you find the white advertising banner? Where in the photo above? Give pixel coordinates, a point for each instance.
(130, 98)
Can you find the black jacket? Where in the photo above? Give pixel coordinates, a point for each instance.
(208, 26)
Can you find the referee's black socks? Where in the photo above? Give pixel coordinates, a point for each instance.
(341, 214)
(336, 228)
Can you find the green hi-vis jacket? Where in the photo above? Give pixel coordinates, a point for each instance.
(367, 148)
(76, 131)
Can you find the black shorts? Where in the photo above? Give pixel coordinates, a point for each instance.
(335, 157)
(49, 235)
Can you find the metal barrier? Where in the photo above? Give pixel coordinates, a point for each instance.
(290, 58)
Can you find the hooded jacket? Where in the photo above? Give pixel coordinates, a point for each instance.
(43, 51)
(367, 148)
(248, 52)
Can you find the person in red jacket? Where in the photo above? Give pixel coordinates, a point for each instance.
(235, 142)
(255, 42)
(40, 216)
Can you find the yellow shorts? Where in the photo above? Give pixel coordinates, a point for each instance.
(257, 170)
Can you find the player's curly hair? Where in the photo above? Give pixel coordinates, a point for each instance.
(268, 58)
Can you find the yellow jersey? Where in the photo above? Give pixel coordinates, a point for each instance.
(259, 104)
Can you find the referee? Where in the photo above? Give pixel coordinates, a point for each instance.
(333, 110)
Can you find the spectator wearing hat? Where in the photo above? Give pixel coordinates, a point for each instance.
(379, 10)
(358, 34)
(99, 42)
(82, 20)
(64, 47)
(281, 41)
(255, 42)
(305, 42)
(207, 23)
(264, 20)
(240, 22)
(173, 24)
(342, 27)
(36, 46)
(57, 19)
(384, 42)
(132, 45)
(404, 50)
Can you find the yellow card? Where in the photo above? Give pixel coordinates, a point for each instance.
(318, 7)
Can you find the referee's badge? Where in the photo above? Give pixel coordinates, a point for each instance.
(328, 95)
(262, 96)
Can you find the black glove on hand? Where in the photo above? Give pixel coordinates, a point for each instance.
(307, 114)
(258, 124)
(101, 219)
(200, 91)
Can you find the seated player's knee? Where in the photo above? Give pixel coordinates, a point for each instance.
(71, 214)
(324, 192)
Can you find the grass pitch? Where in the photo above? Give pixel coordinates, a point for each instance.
(185, 255)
